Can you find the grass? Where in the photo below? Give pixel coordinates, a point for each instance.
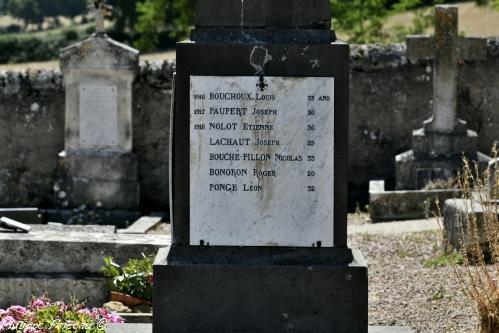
(52, 64)
(49, 34)
(6, 20)
(439, 294)
(479, 242)
(444, 260)
(474, 20)
(366, 237)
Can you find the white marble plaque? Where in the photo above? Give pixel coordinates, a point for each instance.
(98, 116)
(262, 161)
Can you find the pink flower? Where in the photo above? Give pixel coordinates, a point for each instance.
(115, 319)
(7, 323)
(17, 311)
(38, 304)
(103, 312)
(86, 312)
(62, 307)
(3, 313)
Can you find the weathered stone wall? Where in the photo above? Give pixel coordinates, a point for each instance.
(389, 98)
(31, 136)
(151, 127)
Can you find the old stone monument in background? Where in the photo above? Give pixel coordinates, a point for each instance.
(259, 176)
(440, 144)
(426, 171)
(99, 165)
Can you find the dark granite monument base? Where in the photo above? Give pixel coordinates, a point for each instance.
(438, 144)
(207, 289)
(414, 171)
(147, 328)
(98, 180)
(436, 156)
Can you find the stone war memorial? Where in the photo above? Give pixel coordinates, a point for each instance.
(259, 152)
(266, 172)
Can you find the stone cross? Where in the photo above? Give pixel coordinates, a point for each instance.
(101, 11)
(447, 50)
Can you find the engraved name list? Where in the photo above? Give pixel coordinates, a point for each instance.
(262, 161)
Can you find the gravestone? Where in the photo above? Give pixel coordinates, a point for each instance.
(259, 176)
(462, 216)
(100, 169)
(444, 138)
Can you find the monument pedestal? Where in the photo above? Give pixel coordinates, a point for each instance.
(225, 289)
(100, 180)
(436, 156)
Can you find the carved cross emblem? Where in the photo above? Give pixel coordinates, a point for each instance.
(262, 84)
(447, 49)
(101, 10)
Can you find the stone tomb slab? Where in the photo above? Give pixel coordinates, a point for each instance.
(68, 250)
(262, 161)
(63, 261)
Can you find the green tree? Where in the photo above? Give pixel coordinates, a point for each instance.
(361, 20)
(152, 17)
(183, 18)
(3, 6)
(174, 17)
(71, 8)
(494, 3)
(26, 10)
(50, 9)
(124, 14)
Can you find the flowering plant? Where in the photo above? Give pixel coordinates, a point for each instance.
(135, 278)
(44, 316)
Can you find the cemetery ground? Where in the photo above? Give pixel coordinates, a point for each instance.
(411, 282)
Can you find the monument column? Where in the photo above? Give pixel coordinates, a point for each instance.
(259, 176)
(440, 144)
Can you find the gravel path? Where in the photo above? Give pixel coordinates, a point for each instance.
(393, 228)
(403, 292)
